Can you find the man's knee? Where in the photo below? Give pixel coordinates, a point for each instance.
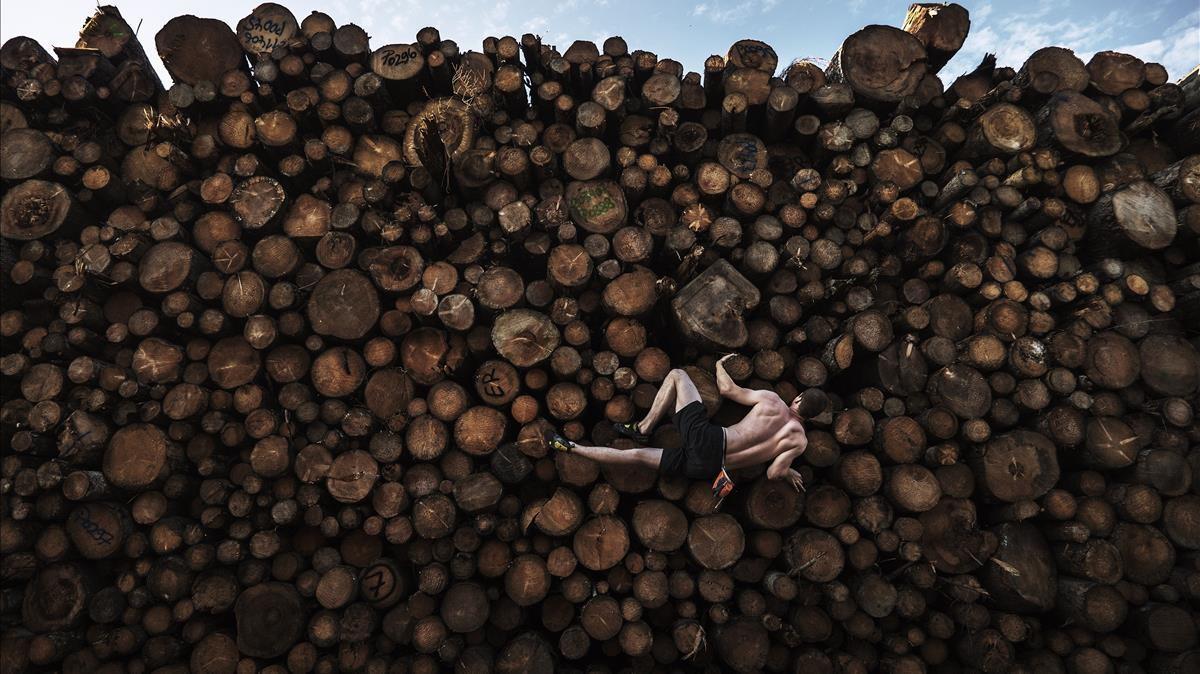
(676, 375)
(647, 456)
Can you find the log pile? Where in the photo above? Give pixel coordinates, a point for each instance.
(281, 342)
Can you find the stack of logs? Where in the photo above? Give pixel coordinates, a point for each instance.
(281, 343)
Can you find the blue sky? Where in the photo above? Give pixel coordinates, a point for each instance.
(1166, 31)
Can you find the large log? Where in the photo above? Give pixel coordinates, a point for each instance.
(941, 27)
(880, 63)
(196, 50)
(709, 309)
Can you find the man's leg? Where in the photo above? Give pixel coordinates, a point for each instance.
(676, 392)
(645, 457)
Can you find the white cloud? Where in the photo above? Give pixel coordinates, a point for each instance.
(718, 12)
(1190, 20)
(1178, 51)
(1013, 37)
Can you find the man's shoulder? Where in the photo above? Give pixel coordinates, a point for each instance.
(768, 401)
(768, 396)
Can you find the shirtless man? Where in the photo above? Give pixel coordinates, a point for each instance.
(772, 431)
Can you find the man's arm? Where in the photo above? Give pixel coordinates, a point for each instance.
(782, 463)
(727, 388)
(781, 467)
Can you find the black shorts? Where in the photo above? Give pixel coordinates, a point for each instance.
(703, 452)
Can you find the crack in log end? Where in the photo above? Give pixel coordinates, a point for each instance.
(1092, 126)
(33, 213)
(534, 341)
(1015, 469)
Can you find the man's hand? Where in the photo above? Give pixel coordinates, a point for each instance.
(795, 479)
(729, 389)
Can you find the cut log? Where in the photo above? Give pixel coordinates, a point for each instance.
(942, 28)
(196, 50)
(1004, 129)
(465, 607)
(57, 598)
(660, 525)
(344, 304)
(1098, 607)
(269, 620)
(1113, 72)
(1018, 466)
(1137, 214)
(138, 457)
(1053, 69)
(1020, 575)
(1078, 124)
(266, 27)
(773, 504)
(524, 337)
(709, 309)
(952, 539)
(743, 644)
(880, 63)
(601, 543)
(37, 208)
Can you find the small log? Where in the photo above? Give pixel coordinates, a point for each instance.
(138, 457)
(660, 525)
(524, 337)
(1004, 129)
(28, 154)
(1098, 607)
(716, 541)
(1053, 69)
(601, 543)
(344, 304)
(465, 607)
(269, 620)
(1016, 466)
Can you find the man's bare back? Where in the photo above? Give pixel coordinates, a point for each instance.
(768, 431)
(771, 431)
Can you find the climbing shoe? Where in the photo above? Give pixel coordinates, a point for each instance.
(559, 444)
(631, 431)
